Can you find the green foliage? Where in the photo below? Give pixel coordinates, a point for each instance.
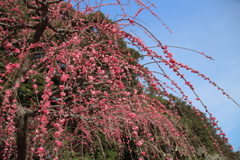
(26, 93)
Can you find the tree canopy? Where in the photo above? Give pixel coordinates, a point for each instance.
(71, 87)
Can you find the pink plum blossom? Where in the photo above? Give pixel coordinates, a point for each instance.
(132, 115)
(64, 77)
(139, 143)
(41, 150)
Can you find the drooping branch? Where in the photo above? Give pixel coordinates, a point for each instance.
(87, 78)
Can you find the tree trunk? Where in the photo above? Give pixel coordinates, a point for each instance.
(22, 137)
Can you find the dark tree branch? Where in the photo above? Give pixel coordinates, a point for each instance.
(57, 1)
(29, 6)
(57, 92)
(61, 30)
(22, 26)
(24, 113)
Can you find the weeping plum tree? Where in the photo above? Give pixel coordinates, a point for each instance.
(70, 88)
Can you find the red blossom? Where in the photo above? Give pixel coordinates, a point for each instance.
(134, 134)
(144, 153)
(64, 77)
(8, 66)
(62, 94)
(214, 123)
(86, 82)
(132, 115)
(61, 87)
(139, 143)
(59, 143)
(57, 134)
(41, 150)
(35, 86)
(213, 118)
(8, 45)
(131, 21)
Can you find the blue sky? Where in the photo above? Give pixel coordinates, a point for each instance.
(207, 26)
